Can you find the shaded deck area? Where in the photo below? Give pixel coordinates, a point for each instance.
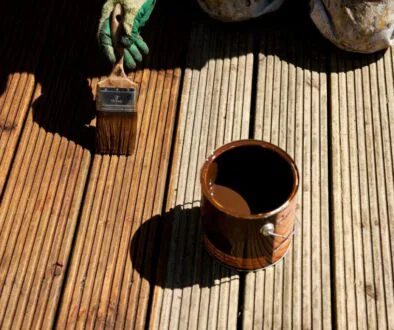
(93, 241)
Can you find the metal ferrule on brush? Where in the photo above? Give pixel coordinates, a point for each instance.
(116, 100)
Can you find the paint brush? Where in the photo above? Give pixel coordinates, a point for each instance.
(116, 103)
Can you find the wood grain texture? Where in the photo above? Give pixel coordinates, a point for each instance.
(98, 241)
(41, 202)
(291, 112)
(194, 291)
(363, 189)
(19, 61)
(40, 207)
(110, 278)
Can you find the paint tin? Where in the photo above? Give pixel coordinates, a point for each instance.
(248, 209)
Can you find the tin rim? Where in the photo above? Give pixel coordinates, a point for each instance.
(242, 143)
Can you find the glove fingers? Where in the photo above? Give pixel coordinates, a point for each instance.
(106, 41)
(135, 46)
(129, 60)
(135, 53)
(140, 43)
(109, 53)
(106, 28)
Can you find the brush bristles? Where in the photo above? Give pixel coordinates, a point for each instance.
(116, 133)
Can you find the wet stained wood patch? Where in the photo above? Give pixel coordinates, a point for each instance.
(99, 241)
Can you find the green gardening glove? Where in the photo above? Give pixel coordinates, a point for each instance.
(136, 14)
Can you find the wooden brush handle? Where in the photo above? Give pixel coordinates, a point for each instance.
(116, 27)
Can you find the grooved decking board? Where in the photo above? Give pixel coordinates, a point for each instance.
(41, 202)
(192, 291)
(40, 206)
(291, 112)
(22, 44)
(363, 189)
(109, 281)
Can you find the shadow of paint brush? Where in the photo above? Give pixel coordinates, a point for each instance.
(116, 104)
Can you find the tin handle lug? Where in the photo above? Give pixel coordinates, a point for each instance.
(269, 230)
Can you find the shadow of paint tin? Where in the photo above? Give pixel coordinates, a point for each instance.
(249, 196)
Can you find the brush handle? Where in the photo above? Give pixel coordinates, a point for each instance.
(116, 27)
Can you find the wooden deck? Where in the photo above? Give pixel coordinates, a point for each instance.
(92, 241)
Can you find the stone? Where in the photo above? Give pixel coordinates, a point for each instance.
(238, 10)
(363, 26)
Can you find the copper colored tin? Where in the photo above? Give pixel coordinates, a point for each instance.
(249, 195)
